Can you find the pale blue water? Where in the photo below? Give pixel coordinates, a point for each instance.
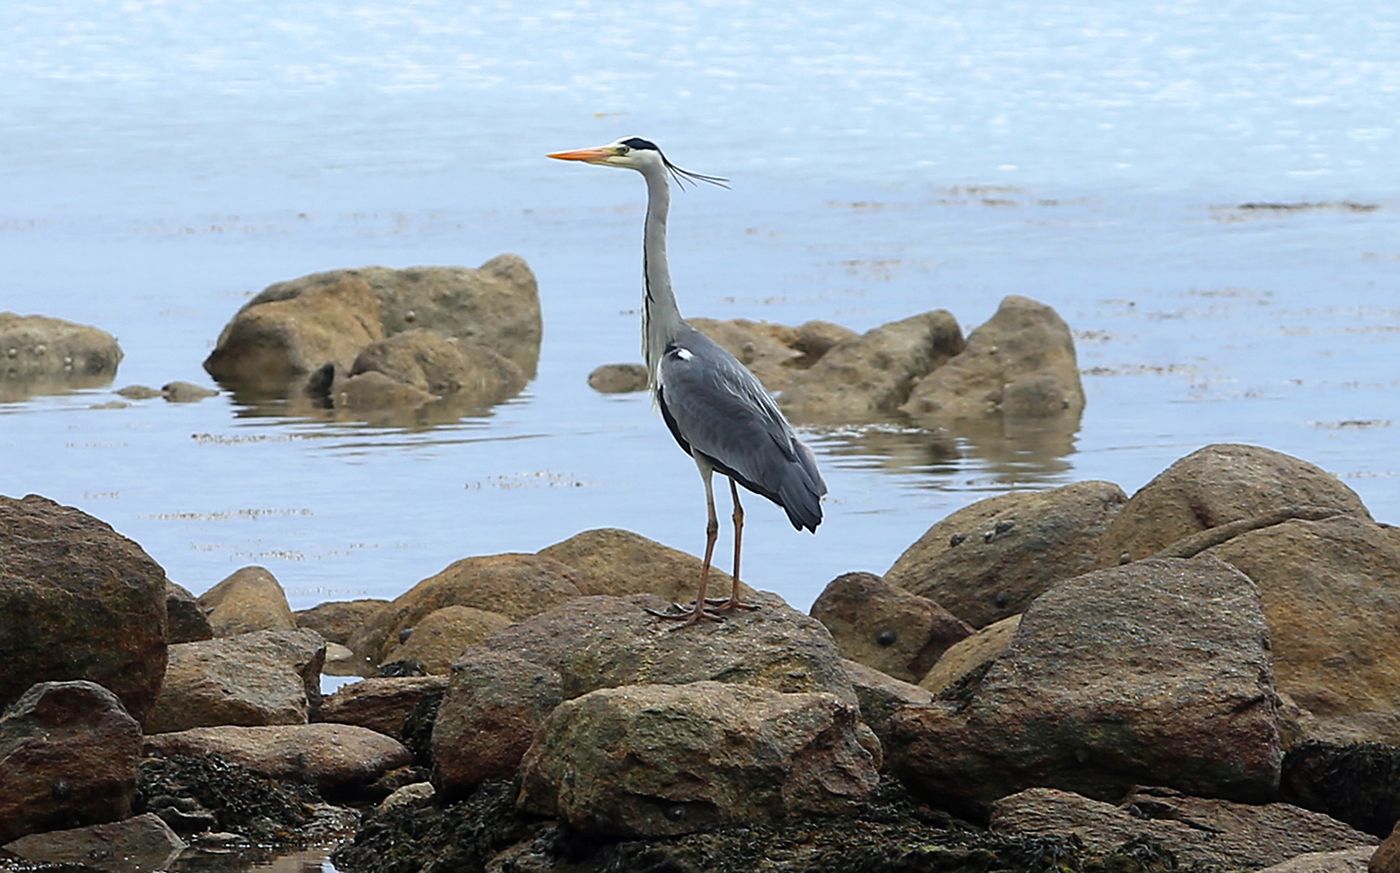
(162, 161)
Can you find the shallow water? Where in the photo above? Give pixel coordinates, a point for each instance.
(165, 161)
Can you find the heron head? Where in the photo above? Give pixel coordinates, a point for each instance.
(635, 153)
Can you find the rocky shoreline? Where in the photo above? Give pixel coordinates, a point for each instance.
(1203, 675)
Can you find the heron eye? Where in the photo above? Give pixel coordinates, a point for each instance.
(622, 150)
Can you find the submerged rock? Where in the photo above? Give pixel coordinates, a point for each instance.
(1103, 686)
(294, 328)
(866, 378)
(41, 355)
(885, 627)
(1018, 366)
(989, 560)
(68, 753)
(618, 378)
(672, 759)
(78, 601)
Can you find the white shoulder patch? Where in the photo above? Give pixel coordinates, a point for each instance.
(683, 354)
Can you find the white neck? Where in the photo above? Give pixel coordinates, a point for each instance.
(661, 318)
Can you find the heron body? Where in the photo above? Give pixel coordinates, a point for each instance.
(719, 413)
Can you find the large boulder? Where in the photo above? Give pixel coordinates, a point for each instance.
(341, 760)
(656, 760)
(260, 678)
(336, 620)
(1216, 485)
(142, 842)
(613, 561)
(885, 627)
(381, 703)
(1331, 593)
(514, 585)
(1354, 860)
(989, 560)
(40, 355)
(1157, 672)
(293, 328)
(775, 353)
(440, 637)
(77, 601)
(1197, 831)
(250, 599)
(1019, 366)
(601, 642)
(866, 378)
(491, 711)
(1387, 858)
(68, 756)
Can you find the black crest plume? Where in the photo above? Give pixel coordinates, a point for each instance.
(681, 176)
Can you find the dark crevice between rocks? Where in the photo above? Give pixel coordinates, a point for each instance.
(1357, 783)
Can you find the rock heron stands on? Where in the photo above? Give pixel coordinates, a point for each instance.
(721, 415)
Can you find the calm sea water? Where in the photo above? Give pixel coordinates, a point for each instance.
(163, 161)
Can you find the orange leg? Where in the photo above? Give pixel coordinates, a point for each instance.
(698, 611)
(733, 602)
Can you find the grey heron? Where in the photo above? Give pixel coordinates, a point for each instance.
(717, 410)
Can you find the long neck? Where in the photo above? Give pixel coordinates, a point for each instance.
(661, 318)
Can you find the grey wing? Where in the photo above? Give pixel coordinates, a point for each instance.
(716, 407)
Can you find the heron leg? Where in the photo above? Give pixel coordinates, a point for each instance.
(733, 602)
(698, 611)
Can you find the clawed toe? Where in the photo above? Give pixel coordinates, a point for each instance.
(687, 615)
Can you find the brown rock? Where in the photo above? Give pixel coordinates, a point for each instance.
(618, 562)
(514, 585)
(185, 618)
(336, 620)
(1197, 831)
(440, 637)
(493, 707)
(815, 338)
(339, 759)
(467, 374)
(251, 599)
(991, 559)
(1157, 672)
(186, 392)
(260, 678)
(143, 842)
(1387, 858)
(881, 696)
(601, 642)
(41, 355)
(77, 601)
(885, 627)
(68, 755)
(765, 349)
(1215, 485)
(1020, 365)
(380, 703)
(618, 378)
(376, 391)
(1331, 594)
(655, 760)
(866, 378)
(963, 660)
(280, 336)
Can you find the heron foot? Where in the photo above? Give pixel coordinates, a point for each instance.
(687, 615)
(729, 604)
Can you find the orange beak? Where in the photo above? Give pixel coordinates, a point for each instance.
(591, 156)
